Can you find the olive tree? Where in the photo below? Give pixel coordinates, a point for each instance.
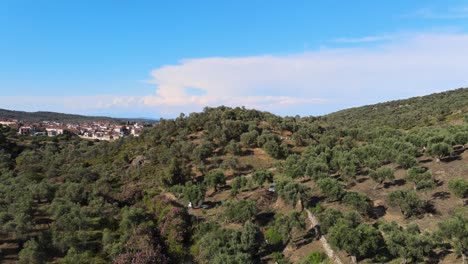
(262, 176)
(359, 241)
(455, 230)
(240, 211)
(408, 202)
(421, 177)
(331, 188)
(381, 175)
(407, 243)
(406, 161)
(359, 201)
(292, 192)
(459, 187)
(440, 150)
(215, 179)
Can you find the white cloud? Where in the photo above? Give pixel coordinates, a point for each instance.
(408, 66)
(307, 83)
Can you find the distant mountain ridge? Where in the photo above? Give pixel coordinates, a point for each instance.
(64, 118)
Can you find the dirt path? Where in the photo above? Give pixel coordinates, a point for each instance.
(323, 240)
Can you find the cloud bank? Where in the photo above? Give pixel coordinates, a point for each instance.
(327, 78)
(308, 83)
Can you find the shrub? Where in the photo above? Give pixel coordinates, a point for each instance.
(292, 192)
(440, 150)
(409, 243)
(314, 257)
(408, 202)
(262, 176)
(240, 211)
(331, 188)
(421, 178)
(359, 201)
(233, 148)
(406, 161)
(215, 179)
(380, 175)
(459, 187)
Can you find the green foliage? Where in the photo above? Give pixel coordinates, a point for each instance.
(262, 176)
(331, 188)
(461, 138)
(294, 167)
(240, 211)
(279, 258)
(250, 238)
(237, 184)
(75, 257)
(406, 161)
(228, 246)
(408, 202)
(359, 201)
(273, 237)
(249, 139)
(405, 113)
(381, 175)
(31, 253)
(215, 179)
(233, 148)
(203, 151)
(328, 218)
(359, 241)
(283, 227)
(274, 149)
(440, 150)
(317, 169)
(176, 173)
(408, 244)
(459, 187)
(315, 257)
(455, 230)
(421, 177)
(292, 192)
(194, 193)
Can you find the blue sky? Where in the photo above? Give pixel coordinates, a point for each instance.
(155, 58)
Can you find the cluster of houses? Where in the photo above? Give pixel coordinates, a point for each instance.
(91, 130)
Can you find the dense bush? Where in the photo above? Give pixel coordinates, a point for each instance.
(408, 202)
(331, 188)
(240, 211)
(459, 187)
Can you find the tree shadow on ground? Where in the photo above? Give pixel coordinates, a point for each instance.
(425, 160)
(399, 182)
(450, 158)
(378, 211)
(363, 179)
(436, 257)
(265, 218)
(430, 208)
(314, 201)
(441, 195)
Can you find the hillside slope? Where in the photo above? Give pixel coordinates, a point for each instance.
(418, 111)
(198, 189)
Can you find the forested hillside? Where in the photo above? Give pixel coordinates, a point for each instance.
(61, 118)
(408, 113)
(386, 183)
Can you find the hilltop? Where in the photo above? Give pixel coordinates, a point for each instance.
(385, 183)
